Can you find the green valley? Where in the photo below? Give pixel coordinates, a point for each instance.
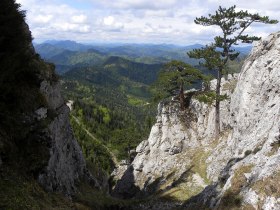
(111, 101)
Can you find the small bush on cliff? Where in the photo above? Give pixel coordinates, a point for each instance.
(173, 79)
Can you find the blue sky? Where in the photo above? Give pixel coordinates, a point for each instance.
(136, 21)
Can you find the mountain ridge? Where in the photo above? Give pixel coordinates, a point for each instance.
(144, 53)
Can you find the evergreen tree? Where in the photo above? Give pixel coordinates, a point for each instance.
(216, 55)
(173, 79)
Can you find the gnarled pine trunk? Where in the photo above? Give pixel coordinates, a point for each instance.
(217, 110)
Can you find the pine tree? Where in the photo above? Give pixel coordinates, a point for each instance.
(173, 79)
(216, 55)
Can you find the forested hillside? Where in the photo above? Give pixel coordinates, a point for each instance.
(109, 115)
(112, 102)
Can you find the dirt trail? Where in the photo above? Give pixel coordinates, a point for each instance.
(114, 158)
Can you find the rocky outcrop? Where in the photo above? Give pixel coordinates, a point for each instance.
(66, 164)
(241, 168)
(178, 142)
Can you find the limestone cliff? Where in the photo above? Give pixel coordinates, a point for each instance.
(174, 154)
(241, 168)
(248, 160)
(66, 165)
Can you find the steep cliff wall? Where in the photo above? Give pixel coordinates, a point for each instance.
(66, 164)
(241, 168)
(249, 159)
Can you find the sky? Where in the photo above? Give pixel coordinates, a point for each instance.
(136, 21)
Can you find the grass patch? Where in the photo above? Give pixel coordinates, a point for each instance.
(274, 148)
(268, 186)
(183, 188)
(239, 179)
(199, 164)
(134, 101)
(230, 86)
(90, 197)
(22, 192)
(180, 193)
(248, 207)
(232, 199)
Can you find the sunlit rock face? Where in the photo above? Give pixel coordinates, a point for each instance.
(245, 164)
(255, 123)
(177, 143)
(181, 151)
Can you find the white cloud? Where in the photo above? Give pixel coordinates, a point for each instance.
(71, 27)
(169, 21)
(43, 19)
(48, 20)
(108, 20)
(111, 24)
(84, 29)
(138, 4)
(79, 19)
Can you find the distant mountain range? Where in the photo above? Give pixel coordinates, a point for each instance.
(68, 54)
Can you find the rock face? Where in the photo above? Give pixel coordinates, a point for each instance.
(66, 164)
(254, 138)
(241, 168)
(178, 142)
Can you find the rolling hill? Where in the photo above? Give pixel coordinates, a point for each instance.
(67, 54)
